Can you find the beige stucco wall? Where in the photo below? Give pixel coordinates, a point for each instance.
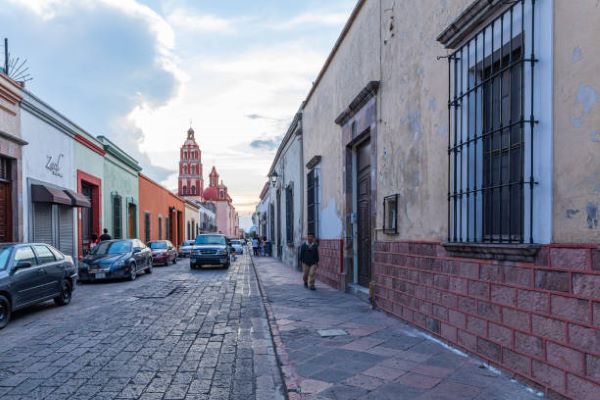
(413, 127)
(192, 214)
(355, 64)
(576, 121)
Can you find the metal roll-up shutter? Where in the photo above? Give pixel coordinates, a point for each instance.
(42, 223)
(66, 230)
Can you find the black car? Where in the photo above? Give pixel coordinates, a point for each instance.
(116, 259)
(31, 273)
(210, 249)
(163, 252)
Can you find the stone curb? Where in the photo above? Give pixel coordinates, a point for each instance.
(290, 379)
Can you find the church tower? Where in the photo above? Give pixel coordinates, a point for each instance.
(191, 184)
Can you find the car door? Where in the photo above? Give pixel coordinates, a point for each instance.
(27, 280)
(147, 254)
(139, 254)
(53, 269)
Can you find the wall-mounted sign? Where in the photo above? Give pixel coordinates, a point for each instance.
(53, 165)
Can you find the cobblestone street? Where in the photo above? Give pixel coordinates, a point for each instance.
(175, 334)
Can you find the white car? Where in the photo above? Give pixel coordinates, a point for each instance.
(237, 246)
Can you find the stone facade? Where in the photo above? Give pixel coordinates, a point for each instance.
(381, 101)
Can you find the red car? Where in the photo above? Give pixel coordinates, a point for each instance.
(163, 252)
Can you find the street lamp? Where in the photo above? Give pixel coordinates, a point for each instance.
(274, 177)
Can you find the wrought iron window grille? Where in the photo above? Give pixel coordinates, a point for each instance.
(390, 214)
(491, 139)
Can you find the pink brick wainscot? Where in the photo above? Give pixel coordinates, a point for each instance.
(330, 262)
(539, 320)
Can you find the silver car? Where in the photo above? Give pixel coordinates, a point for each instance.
(185, 250)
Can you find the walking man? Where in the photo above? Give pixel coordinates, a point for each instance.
(309, 257)
(105, 236)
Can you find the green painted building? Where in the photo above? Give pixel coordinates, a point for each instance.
(120, 192)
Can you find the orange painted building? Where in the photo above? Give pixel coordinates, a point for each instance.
(162, 213)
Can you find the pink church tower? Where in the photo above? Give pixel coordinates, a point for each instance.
(191, 184)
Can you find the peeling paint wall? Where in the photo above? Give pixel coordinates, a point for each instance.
(354, 65)
(413, 124)
(576, 122)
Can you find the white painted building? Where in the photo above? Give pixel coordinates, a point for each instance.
(287, 194)
(49, 180)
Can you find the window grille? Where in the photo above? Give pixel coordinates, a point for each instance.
(168, 227)
(5, 169)
(289, 214)
(117, 217)
(160, 235)
(312, 202)
(147, 220)
(492, 131)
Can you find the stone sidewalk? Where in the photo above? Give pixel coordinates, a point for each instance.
(379, 357)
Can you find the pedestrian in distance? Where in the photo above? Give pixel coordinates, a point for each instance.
(255, 246)
(105, 235)
(261, 246)
(309, 257)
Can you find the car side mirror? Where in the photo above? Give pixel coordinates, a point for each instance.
(23, 265)
(137, 249)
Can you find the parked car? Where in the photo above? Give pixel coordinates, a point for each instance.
(31, 273)
(210, 249)
(121, 259)
(163, 252)
(186, 248)
(238, 246)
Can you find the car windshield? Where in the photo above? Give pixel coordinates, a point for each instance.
(158, 245)
(120, 247)
(211, 239)
(236, 242)
(4, 255)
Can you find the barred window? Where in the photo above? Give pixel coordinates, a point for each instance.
(491, 144)
(147, 220)
(160, 235)
(289, 214)
(312, 202)
(117, 217)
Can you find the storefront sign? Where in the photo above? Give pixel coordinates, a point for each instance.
(53, 165)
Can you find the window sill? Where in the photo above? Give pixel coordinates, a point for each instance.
(492, 251)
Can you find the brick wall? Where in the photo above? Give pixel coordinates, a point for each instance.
(538, 320)
(330, 262)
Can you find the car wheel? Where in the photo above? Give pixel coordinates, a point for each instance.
(65, 294)
(227, 265)
(5, 311)
(174, 260)
(192, 266)
(132, 272)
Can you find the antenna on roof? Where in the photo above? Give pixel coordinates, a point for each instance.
(15, 67)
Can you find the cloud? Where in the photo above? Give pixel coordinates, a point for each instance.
(265, 144)
(312, 19)
(200, 23)
(109, 72)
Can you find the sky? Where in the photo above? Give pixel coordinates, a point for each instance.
(139, 71)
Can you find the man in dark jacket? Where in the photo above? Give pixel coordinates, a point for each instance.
(105, 236)
(309, 257)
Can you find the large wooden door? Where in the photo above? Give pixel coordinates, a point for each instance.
(131, 210)
(363, 182)
(5, 212)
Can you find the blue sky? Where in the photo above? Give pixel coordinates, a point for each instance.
(137, 71)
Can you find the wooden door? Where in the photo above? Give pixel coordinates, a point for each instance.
(5, 212)
(363, 181)
(131, 220)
